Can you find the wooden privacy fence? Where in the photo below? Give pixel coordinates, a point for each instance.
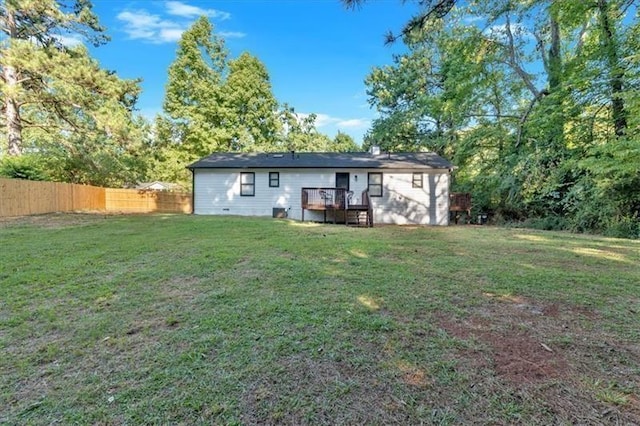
(147, 201)
(23, 197)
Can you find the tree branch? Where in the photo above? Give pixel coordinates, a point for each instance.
(438, 10)
(525, 117)
(513, 60)
(497, 115)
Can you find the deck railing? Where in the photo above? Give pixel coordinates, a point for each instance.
(337, 200)
(324, 198)
(459, 202)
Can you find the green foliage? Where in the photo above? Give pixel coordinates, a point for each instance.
(623, 227)
(342, 142)
(547, 223)
(559, 149)
(167, 161)
(252, 110)
(299, 132)
(23, 167)
(217, 105)
(60, 104)
(194, 106)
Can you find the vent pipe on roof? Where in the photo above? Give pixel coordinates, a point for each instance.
(374, 150)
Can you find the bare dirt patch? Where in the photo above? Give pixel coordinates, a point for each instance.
(518, 356)
(554, 353)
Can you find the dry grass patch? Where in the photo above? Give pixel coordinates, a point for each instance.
(54, 220)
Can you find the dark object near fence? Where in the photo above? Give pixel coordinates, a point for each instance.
(460, 202)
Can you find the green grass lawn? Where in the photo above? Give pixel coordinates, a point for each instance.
(186, 319)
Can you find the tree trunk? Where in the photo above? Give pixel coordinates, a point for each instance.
(555, 58)
(12, 107)
(555, 85)
(616, 72)
(12, 112)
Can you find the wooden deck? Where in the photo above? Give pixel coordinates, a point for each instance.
(336, 202)
(460, 202)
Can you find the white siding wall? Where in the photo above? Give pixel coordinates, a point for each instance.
(218, 192)
(402, 204)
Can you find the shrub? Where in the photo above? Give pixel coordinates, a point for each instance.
(623, 227)
(22, 167)
(547, 223)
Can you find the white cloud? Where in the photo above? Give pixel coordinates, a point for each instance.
(153, 28)
(354, 123)
(141, 25)
(184, 10)
(69, 41)
(231, 34)
(325, 120)
(170, 34)
(472, 19)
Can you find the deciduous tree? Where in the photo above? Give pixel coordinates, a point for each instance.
(194, 99)
(534, 101)
(251, 109)
(342, 142)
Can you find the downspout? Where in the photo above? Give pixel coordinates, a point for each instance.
(193, 191)
(450, 181)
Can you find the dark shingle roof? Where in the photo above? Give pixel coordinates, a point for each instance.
(333, 160)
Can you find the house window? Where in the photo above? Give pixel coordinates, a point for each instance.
(248, 184)
(375, 184)
(274, 179)
(417, 180)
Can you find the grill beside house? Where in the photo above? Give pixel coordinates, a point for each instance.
(353, 188)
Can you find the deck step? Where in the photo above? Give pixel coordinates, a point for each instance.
(358, 218)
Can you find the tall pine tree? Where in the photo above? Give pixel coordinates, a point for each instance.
(57, 100)
(50, 86)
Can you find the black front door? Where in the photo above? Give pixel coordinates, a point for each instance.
(342, 180)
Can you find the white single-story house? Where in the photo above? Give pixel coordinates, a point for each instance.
(396, 188)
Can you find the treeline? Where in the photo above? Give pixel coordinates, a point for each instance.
(213, 104)
(64, 118)
(536, 102)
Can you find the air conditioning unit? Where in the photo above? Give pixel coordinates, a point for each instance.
(279, 212)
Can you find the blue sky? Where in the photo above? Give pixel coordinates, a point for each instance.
(317, 52)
